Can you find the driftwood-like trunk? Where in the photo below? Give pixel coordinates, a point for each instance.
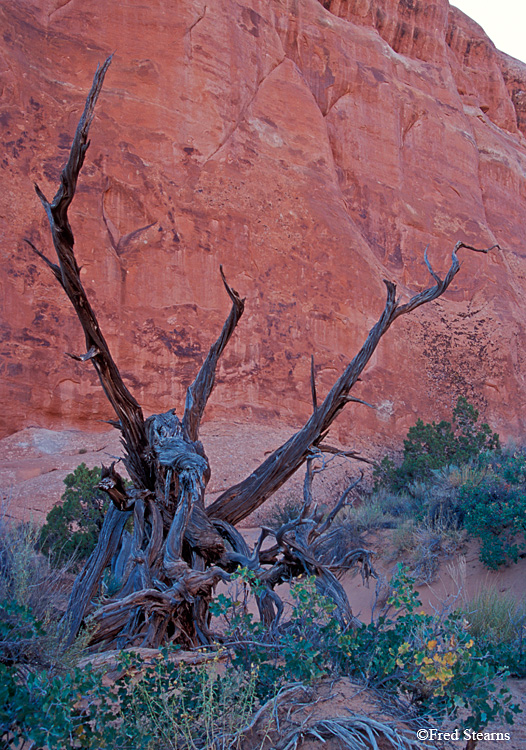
(167, 567)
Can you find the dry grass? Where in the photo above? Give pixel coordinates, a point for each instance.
(424, 545)
(31, 588)
(496, 616)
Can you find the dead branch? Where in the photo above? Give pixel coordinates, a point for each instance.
(242, 499)
(166, 569)
(67, 272)
(198, 393)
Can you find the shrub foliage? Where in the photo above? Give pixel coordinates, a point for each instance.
(72, 527)
(433, 660)
(495, 509)
(429, 447)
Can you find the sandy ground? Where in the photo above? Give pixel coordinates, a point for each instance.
(34, 462)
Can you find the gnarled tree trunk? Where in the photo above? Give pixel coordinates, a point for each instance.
(179, 550)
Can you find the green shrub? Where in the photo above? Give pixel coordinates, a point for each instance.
(370, 514)
(37, 702)
(72, 527)
(177, 705)
(495, 510)
(434, 660)
(429, 447)
(298, 653)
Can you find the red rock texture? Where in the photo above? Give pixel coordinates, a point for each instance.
(313, 149)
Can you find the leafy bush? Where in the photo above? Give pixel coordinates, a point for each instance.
(435, 661)
(72, 527)
(36, 688)
(429, 447)
(298, 653)
(495, 510)
(37, 701)
(174, 705)
(432, 659)
(152, 707)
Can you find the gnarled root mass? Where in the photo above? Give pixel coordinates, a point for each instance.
(154, 583)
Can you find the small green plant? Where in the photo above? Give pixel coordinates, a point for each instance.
(39, 692)
(434, 660)
(370, 514)
(173, 705)
(302, 651)
(429, 447)
(72, 527)
(151, 707)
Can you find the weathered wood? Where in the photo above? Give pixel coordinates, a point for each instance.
(166, 569)
(198, 393)
(88, 581)
(239, 501)
(67, 273)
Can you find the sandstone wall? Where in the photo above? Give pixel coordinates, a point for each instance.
(313, 149)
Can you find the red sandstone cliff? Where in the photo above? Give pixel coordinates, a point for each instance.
(313, 149)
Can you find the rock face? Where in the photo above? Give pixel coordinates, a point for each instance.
(313, 148)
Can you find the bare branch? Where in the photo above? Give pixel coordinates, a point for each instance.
(324, 448)
(68, 274)
(313, 384)
(199, 392)
(242, 499)
(339, 505)
(85, 357)
(429, 268)
(352, 400)
(50, 264)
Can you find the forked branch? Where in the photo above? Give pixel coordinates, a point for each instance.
(167, 569)
(242, 499)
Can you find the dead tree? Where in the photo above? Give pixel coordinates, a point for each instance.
(168, 567)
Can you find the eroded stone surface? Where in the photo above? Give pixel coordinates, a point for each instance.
(313, 149)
